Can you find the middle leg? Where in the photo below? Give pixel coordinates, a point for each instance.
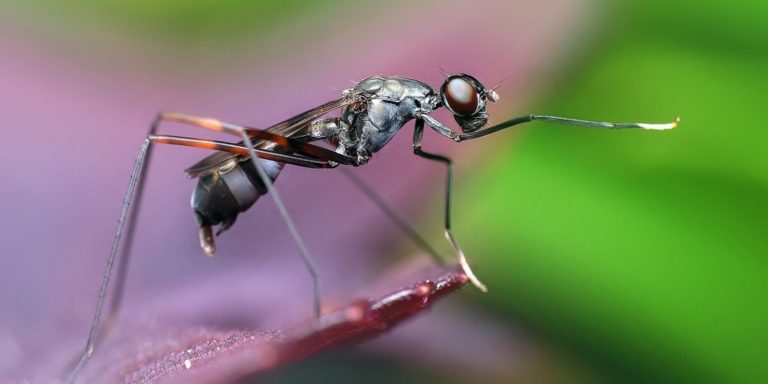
(417, 136)
(243, 132)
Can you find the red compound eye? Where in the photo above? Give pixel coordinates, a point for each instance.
(461, 96)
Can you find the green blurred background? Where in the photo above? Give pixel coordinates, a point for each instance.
(629, 256)
(644, 255)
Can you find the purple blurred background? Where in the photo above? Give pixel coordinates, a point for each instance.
(78, 97)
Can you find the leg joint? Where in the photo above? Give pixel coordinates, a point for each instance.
(431, 156)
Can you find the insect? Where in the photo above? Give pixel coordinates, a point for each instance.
(372, 113)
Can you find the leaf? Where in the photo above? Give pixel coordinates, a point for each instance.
(214, 356)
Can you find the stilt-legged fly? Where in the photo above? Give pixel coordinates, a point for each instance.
(372, 113)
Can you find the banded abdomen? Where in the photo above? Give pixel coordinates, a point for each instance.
(233, 188)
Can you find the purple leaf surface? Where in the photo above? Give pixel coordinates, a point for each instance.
(216, 356)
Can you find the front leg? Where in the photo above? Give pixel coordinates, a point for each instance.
(437, 126)
(449, 133)
(565, 121)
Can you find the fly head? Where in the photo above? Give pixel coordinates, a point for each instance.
(466, 98)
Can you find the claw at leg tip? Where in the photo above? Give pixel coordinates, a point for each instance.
(480, 285)
(471, 276)
(674, 123)
(660, 127)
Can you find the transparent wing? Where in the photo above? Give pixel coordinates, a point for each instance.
(292, 127)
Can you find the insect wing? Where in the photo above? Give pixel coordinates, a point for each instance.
(290, 127)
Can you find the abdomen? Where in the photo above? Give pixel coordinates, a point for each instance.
(220, 196)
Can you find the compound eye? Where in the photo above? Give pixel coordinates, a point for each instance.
(461, 96)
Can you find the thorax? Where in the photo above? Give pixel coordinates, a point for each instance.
(391, 103)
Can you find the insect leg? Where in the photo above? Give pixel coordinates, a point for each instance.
(123, 264)
(326, 128)
(135, 189)
(288, 222)
(565, 121)
(238, 149)
(285, 142)
(251, 151)
(239, 130)
(393, 216)
(449, 133)
(437, 126)
(133, 185)
(417, 136)
(245, 134)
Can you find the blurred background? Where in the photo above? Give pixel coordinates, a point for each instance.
(611, 256)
